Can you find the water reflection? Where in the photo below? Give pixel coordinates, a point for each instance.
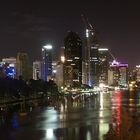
(125, 116)
(49, 134)
(15, 121)
(106, 116)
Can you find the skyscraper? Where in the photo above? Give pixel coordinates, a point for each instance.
(47, 62)
(37, 69)
(93, 65)
(23, 67)
(59, 75)
(91, 59)
(103, 65)
(73, 59)
(118, 74)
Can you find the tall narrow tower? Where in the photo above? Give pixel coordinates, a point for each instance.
(91, 54)
(104, 65)
(23, 67)
(73, 59)
(47, 62)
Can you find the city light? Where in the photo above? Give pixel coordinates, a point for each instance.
(63, 59)
(103, 49)
(47, 47)
(54, 71)
(87, 33)
(115, 63)
(137, 66)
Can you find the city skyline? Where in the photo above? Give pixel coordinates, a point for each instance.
(27, 26)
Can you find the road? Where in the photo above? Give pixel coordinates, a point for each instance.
(95, 118)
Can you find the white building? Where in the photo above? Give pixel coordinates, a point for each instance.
(59, 75)
(37, 70)
(137, 70)
(118, 74)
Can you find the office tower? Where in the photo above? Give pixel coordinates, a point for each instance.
(62, 55)
(73, 60)
(9, 66)
(136, 73)
(91, 58)
(59, 75)
(23, 67)
(123, 75)
(84, 72)
(59, 69)
(47, 62)
(2, 73)
(54, 70)
(103, 65)
(10, 60)
(37, 70)
(118, 74)
(94, 65)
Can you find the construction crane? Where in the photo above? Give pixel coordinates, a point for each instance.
(86, 21)
(88, 25)
(113, 57)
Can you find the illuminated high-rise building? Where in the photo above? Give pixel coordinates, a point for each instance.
(91, 58)
(9, 66)
(59, 76)
(73, 60)
(123, 75)
(58, 70)
(118, 74)
(10, 60)
(37, 70)
(23, 67)
(47, 62)
(54, 70)
(94, 65)
(136, 73)
(84, 72)
(103, 65)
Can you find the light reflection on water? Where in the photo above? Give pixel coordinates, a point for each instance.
(88, 119)
(49, 134)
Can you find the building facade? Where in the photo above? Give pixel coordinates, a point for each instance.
(59, 75)
(103, 65)
(47, 62)
(118, 74)
(73, 60)
(37, 70)
(23, 67)
(9, 67)
(91, 56)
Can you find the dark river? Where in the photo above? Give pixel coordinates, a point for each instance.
(106, 116)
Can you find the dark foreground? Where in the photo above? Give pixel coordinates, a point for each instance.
(106, 116)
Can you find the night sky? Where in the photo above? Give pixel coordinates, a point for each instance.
(29, 24)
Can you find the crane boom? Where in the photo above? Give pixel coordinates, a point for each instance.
(90, 35)
(112, 55)
(88, 25)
